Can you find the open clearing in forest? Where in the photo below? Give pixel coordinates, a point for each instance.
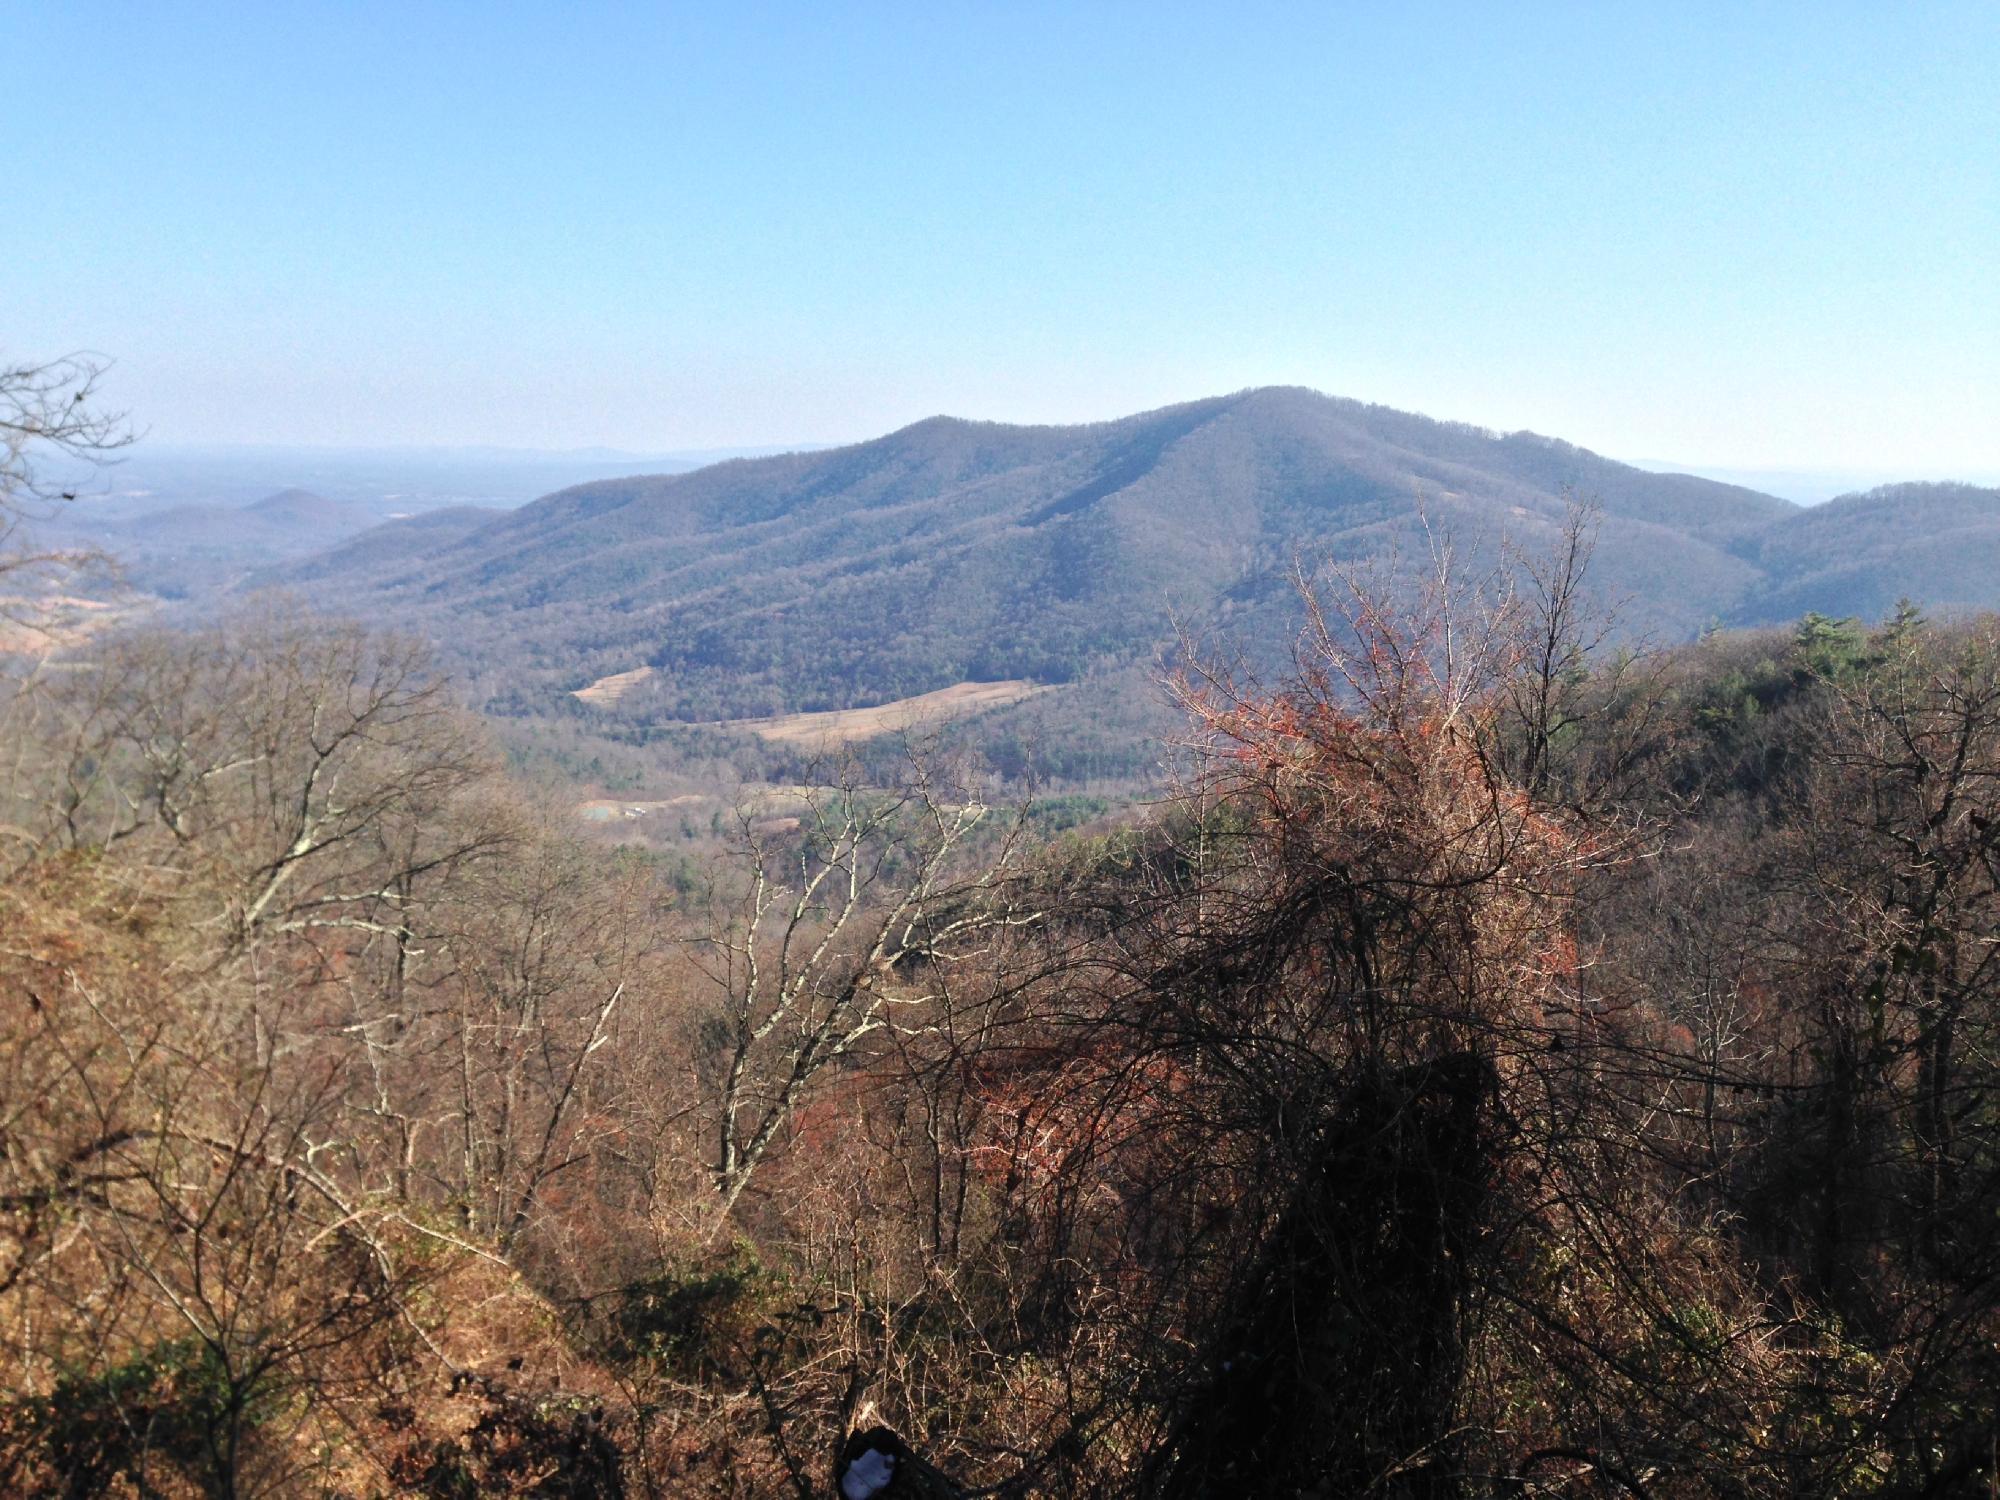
(842, 725)
(608, 690)
(609, 809)
(39, 625)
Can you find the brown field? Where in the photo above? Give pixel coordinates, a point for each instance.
(40, 625)
(608, 690)
(610, 809)
(842, 725)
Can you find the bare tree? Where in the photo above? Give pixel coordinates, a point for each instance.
(191, 1281)
(303, 753)
(49, 414)
(855, 915)
(1584, 710)
(52, 407)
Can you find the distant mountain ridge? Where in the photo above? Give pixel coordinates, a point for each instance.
(955, 550)
(288, 519)
(197, 549)
(1938, 544)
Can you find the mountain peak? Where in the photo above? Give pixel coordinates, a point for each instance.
(954, 550)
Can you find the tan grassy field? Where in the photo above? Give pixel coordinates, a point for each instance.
(608, 690)
(38, 626)
(606, 809)
(843, 725)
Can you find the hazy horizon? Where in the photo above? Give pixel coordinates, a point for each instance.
(1802, 486)
(1752, 240)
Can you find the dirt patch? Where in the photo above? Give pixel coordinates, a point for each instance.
(842, 725)
(608, 690)
(54, 622)
(609, 809)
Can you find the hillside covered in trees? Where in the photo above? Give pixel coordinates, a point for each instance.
(1499, 1062)
(957, 551)
(1501, 1067)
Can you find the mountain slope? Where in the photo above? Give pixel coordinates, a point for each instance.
(301, 511)
(289, 521)
(385, 545)
(955, 550)
(1938, 544)
(195, 550)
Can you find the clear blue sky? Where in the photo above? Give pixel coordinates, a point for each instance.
(1735, 234)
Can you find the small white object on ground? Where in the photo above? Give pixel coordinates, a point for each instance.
(870, 1472)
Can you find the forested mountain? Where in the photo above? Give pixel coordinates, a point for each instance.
(955, 550)
(1938, 544)
(290, 520)
(196, 549)
(394, 541)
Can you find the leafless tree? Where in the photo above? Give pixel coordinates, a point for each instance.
(854, 916)
(50, 414)
(190, 1278)
(47, 409)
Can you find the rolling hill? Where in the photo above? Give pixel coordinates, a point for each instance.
(290, 520)
(955, 551)
(1938, 544)
(393, 541)
(191, 550)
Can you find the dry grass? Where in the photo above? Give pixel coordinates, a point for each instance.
(37, 626)
(843, 725)
(608, 690)
(609, 809)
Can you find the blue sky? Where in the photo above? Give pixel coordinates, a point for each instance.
(1740, 234)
